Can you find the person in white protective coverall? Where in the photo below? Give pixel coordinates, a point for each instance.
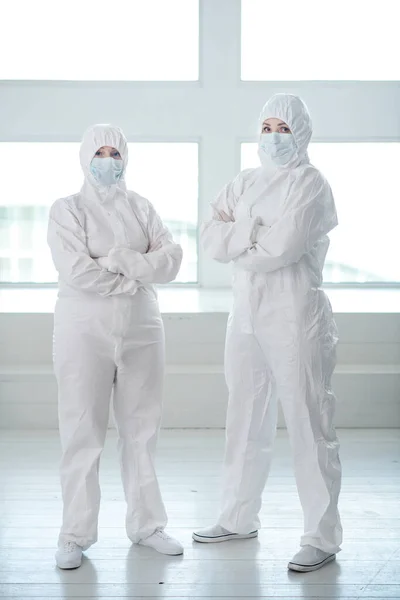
(272, 222)
(109, 247)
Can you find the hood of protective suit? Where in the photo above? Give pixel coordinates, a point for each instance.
(293, 111)
(94, 138)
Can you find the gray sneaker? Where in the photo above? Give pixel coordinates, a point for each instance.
(310, 559)
(216, 534)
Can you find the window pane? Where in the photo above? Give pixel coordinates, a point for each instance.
(25, 200)
(167, 174)
(364, 177)
(100, 40)
(50, 171)
(315, 39)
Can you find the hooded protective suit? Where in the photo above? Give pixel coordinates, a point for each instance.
(109, 246)
(272, 222)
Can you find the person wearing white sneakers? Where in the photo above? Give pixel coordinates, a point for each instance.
(109, 247)
(272, 223)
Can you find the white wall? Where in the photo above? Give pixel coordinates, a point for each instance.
(367, 380)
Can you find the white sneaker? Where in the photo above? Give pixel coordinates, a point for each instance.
(310, 559)
(69, 556)
(163, 543)
(216, 533)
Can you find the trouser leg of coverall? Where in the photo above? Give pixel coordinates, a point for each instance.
(137, 409)
(250, 432)
(85, 379)
(303, 374)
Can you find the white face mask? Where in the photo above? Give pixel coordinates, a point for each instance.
(279, 148)
(107, 171)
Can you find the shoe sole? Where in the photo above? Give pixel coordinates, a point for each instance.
(178, 553)
(307, 568)
(223, 538)
(68, 567)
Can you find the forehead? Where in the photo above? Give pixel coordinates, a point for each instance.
(273, 121)
(107, 148)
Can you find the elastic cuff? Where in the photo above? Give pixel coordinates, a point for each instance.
(83, 542)
(320, 544)
(254, 232)
(142, 534)
(248, 231)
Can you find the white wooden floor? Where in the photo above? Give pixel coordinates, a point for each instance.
(189, 463)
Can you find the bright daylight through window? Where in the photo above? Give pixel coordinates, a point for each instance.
(187, 121)
(24, 256)
(315, 39)
(73, 48)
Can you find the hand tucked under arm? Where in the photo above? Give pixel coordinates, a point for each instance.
(224, 238)
(71, 258)
(160, 264)
(311, 217)
(103, 262)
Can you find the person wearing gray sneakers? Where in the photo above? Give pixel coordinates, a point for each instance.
(273, 224)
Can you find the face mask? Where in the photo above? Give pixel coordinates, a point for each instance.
(106, 171)
(278, 147)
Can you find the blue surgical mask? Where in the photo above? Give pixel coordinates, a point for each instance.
(106, 171)
(279, 148)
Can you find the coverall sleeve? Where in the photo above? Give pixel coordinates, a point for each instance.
(311, 216)
(226, 241)
(160, 264)
(67, 241)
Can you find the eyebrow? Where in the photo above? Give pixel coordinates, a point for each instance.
(279, 124)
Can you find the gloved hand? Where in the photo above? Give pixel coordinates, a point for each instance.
(222, 216)
(261, 231)
(103, 262)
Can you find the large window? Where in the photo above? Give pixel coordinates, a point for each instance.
(186, 80)
(320, 40)
(52, 170)
(99, 40)
(364, 179)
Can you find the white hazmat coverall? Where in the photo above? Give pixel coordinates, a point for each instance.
(281, 336)
(109, 337)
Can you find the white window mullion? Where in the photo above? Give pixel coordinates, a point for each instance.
(219, 76)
